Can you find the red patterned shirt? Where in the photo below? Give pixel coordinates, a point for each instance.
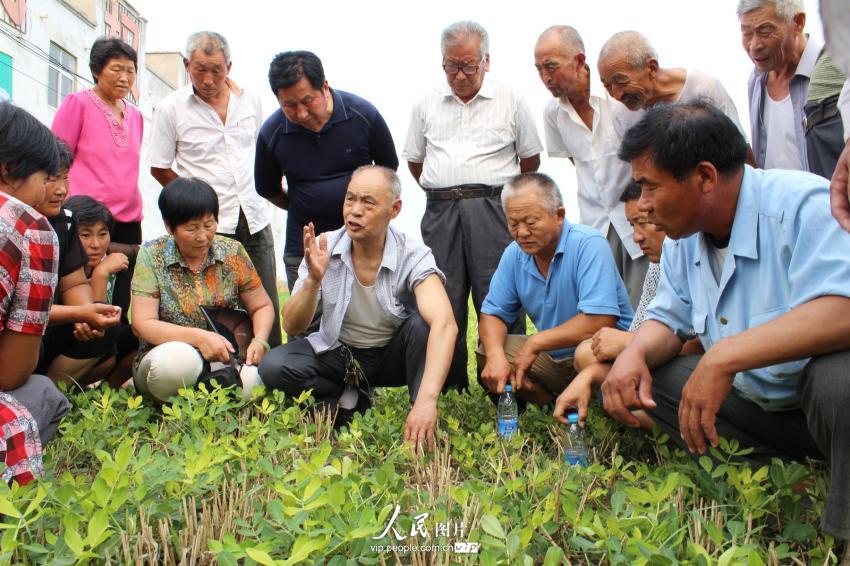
(20, 447)
(29, 258)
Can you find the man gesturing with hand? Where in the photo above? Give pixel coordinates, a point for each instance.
(386, 318)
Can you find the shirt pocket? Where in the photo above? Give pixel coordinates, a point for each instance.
(243, 132)
(494, 138)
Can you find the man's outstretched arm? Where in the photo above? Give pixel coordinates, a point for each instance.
(436, 311)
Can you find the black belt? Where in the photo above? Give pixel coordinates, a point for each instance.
(463, 191)
(817, 112)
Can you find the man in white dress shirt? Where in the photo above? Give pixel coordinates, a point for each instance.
(209, 127)
(465, 141)
(580, 126)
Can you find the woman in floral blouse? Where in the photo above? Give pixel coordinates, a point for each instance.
(175, 275)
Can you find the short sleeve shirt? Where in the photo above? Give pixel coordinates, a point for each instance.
(406, 263)
(190, 131)
(785, 250)
(480, 141)
(29, 260)
(162, 273)
(602, 175)
(106, 153)
(582, 278)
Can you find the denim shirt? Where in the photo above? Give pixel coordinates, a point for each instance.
(799, 87)
(406, 263)
(785, 250)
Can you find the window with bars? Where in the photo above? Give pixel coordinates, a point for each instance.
(60, 76)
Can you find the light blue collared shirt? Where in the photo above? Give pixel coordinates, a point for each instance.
(785, 250)
(581, 278)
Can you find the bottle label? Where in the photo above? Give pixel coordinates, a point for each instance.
(576, 459)
(507, 427)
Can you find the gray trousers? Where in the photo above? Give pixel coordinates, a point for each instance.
(819, 429)
(467, 238)
(295, 367)
(45, 402)
(260, 248)
(633, 271)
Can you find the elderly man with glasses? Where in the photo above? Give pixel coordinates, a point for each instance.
(467, 139)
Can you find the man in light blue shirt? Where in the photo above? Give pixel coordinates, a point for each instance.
(758, 270)
(563, 276)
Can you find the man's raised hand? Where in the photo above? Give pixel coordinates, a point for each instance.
(315, 253)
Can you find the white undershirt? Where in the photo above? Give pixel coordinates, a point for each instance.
(366, 324)
(782, 150)
(718, 258)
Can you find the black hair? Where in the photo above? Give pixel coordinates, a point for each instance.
(26, 145)
(185, 199)
(106, 48)
(676, 137)
(291, 66)
(88, 211)
(631, 192)
(66, 157)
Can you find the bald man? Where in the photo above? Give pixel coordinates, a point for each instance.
(579, 125)
(629, 70)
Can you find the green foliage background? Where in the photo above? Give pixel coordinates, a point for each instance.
(213, 478)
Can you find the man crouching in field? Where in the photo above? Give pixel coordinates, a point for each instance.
(757, 269)
(386, 318)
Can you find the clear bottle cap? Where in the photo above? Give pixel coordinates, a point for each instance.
(572, 418)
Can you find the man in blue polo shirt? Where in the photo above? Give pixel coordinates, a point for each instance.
(757, 269)
(565, 278)
(317, 140)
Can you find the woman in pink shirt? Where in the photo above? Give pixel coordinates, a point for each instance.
(104, 132)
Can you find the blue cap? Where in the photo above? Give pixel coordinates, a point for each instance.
(572, 418)
(508, 388)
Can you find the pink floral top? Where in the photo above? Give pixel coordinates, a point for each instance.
(106, 153)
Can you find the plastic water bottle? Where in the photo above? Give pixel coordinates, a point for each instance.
(575, 450)
(507, 414)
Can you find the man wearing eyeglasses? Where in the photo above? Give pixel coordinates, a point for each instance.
(465, 141)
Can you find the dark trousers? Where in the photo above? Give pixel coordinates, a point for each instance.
(295, 367)
(824, 137)
(260, 248)
(467, 238)
(129, 233)
(819, 429)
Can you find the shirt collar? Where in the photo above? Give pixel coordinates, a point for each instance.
(806, 66)
(188, 91)
(342, 249)
(486, 91)
(172, 255)
(743, 241)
